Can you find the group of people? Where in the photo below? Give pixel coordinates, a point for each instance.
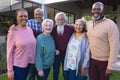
(85, 49)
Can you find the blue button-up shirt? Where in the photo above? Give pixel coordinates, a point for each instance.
(33, 24)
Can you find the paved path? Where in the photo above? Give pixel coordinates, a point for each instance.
(117, 65)
(2, 39)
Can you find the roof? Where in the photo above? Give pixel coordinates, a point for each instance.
(5, 5)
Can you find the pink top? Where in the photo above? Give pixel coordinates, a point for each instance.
(21, 45)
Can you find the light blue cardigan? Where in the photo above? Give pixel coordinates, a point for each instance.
(83, 55)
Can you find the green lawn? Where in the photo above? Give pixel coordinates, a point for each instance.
(115, 76)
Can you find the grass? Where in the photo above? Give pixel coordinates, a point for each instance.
(3, 58)
(115, 76)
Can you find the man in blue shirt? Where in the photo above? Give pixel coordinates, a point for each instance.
(35, 23)
(36, 26)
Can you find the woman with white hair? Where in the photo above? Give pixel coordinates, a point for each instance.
(45, 50)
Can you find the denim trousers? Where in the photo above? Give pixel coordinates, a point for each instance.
(70, 75)
(56, 66)
(21, 73)
(32, 73)
(46, 74)
(82, 78)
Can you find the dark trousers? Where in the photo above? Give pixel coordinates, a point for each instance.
(82, 78)
(46, 74)
(56, 66)
(32, 72)
(98, 69)
(70, 75)
(20, 73)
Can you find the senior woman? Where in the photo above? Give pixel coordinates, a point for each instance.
(77, 56)
(45, 50)
(21, 45)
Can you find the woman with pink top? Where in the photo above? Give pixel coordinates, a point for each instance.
(21, 45)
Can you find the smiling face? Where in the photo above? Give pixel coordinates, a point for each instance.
(60, 20)
(38, 15)
(22, 18)
(78, 27)
(47, 27)
(97, 9)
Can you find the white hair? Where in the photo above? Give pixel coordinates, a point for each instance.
(47, 20)
(100, 4)
(61, 13)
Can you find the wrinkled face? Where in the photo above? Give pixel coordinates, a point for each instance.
(47, 29)
(38, 15)
(22, 18)
(96, 11)
(78, 27)
(60, 20)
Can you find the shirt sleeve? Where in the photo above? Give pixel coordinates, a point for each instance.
(113, 38)
(39, 53)
(29, 23)
(10, 52)
(87, 55)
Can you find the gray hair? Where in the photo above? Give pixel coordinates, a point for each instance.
(47, 20)
(83, 23)
(100, 4)
(61, 13)
(38, 9)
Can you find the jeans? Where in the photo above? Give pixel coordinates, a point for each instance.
(82, 78)
(32, 73)
(70, 75)
(46, 73)
(21, 73)
(56, 66)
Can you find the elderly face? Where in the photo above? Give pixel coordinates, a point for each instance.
(47, 27)
(60, 20)
(22, 18)
(38, 15)
(97, 9)
(78, 27)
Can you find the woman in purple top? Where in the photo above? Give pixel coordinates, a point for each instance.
(21, 45)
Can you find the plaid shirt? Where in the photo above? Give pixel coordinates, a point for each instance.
(32, 23)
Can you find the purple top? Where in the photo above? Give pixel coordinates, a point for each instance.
(61, 41)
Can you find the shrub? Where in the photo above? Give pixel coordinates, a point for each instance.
(3, 58)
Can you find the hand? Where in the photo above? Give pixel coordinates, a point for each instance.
(82, 71)
(108, 72)
(40, 73)
(57, 52)
(12, 27)
(11, 77)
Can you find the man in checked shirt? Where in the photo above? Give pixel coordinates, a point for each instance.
(36, 26)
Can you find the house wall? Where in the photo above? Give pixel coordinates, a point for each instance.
(73, 8)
